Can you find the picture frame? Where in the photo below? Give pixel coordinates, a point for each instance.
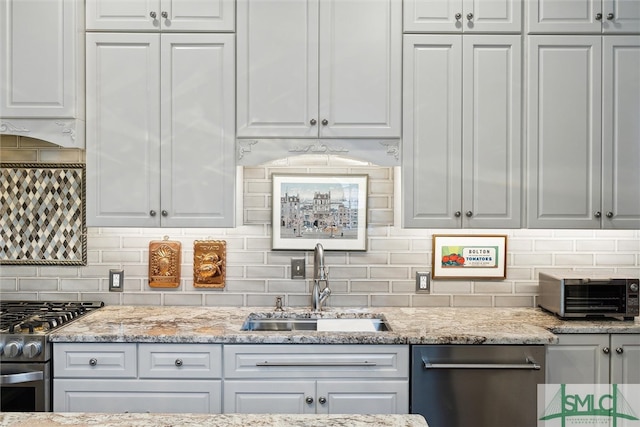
(312, 208)
(469, 256)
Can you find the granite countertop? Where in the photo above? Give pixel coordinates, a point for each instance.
(42, 419)
(438, 325)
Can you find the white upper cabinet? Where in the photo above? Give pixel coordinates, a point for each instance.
(319, 68)
(41, 70)
(455, 16)
(583, 16)
(164, 15)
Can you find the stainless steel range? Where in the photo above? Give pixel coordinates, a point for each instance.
(25, 353)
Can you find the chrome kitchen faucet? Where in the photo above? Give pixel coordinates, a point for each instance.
(320, 274)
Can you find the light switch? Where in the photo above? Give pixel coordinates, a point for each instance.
(297, 268)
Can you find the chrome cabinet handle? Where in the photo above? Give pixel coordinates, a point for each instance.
(610, 16)
(164, 14)
(619, 350)
(316, 364)
(313, 122)
(609, 214)
(597, 214)
(153, 15)
(322, 400)
(469, 16)
(178, 362)
(165, 213)
(152, 213)
(325, 122)
(458, 16)
(309, 400)
(606, 350)
(469, 214)
(457, 213)
(93, 361)
(598, 16)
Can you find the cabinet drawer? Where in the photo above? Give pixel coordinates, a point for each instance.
(94, 360)
(180, 360)
(319, 361)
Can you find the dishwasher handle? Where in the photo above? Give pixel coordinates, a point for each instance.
(531, 365)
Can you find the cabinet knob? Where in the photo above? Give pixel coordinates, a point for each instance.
(165, 213)
(458, 16)
(609, 214)
(469, 214)
(597, 214)
(322, 400)
(619, 350)
(178, 362)
(152, 213)
(93, 361)
(153, 15)
(164, 14)
(457, 214)
(605, 350)
(598, 16)
(469, 16)
(309, 400)
(610, 16)
(325, 122)
(313, 122)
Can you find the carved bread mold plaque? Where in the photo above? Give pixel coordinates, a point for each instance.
(164, 263)
(209, 263)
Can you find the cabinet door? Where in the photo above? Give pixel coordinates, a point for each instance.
(621, 132)
(277, 68)
(362, 397)
(360, 68)
(491, 131)
(564, 132)
(620, 16)
(269, 397)
(25, 90)
(123, 123)
(197, 15)
(118, 396)
(564, 16)
(432, 131)
(197, 130)
(625, 359)
(578, 359)
(436, 16)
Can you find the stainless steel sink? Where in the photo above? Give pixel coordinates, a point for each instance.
(262, 322)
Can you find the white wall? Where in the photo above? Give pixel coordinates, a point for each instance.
(381, 276)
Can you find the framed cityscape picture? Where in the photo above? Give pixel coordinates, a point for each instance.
(327, 209)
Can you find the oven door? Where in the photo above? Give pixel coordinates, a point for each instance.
(25, 387)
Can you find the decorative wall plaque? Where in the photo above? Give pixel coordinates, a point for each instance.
(164, 263)
(209, 263)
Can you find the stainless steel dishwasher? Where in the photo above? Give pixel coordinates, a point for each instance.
(476, 385)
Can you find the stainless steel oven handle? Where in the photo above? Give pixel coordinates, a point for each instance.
(531, 364)
(22, 377)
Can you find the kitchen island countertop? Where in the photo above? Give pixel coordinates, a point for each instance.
(437, 325)
(44, 419)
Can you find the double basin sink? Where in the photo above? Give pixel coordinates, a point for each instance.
(320, 322)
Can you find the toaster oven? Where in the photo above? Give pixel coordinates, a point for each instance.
(575, 295)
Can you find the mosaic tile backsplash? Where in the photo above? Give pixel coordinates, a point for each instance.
(42, 214)
(384, 275)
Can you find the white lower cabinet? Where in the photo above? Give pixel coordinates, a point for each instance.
(594, 359)
(316, 379)
(129, 377)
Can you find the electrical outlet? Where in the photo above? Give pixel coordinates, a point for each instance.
(422, 282)
(116, 280)
(297, 268)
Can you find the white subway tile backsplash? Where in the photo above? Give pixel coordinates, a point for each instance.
(79, 285)
(618, 259)
(472, 301)
(31, 285)
(573, 260)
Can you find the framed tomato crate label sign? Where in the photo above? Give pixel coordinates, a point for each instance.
(469, 256)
